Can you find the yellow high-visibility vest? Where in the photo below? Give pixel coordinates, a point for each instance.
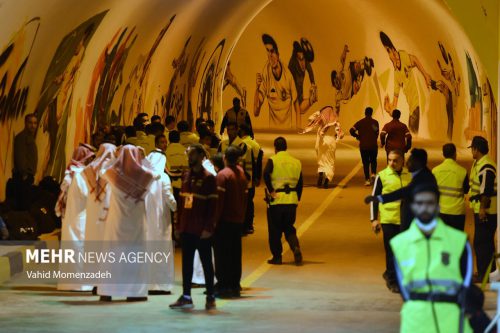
(286, 172)
(450, 177)
(390, 213)
(250, 157)
(177, 161)
(430, 268)
(479, 168)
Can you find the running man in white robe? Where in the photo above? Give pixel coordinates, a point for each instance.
(71, 207)
(99, 192)
(328, 133)
(159, 202)
(130, 177)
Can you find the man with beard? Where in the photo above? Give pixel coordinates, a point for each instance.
(434, 268)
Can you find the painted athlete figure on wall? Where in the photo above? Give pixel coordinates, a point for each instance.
(300, 65)
(276, 85)
(347, 81)
(449, 86)
(404, 63)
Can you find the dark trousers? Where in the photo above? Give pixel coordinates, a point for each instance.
(454, 221)
(176, 192)
(280, 219)
(191, 243)
(250, 212)
(227, 250)
(369, 159)
(389, 231)
(484, 243)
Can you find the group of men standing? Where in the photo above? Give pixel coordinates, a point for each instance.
(129, 193)
(421, 214)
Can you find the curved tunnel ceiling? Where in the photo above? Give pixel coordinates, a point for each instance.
(82, 63)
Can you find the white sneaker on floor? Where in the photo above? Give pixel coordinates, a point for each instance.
(367, 183)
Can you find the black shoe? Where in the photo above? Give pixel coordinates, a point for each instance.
(105, 299)
(235, 293)
(137, 299)
(159, 292)
(210, 303)
(297, 255)
(320, 179)
(94, 291)
(325, 184)
(274, 261)
(182, 303)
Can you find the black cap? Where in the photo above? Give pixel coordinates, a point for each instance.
(479, 143)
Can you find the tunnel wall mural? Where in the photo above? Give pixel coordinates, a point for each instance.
(81, 65)
(289, 66)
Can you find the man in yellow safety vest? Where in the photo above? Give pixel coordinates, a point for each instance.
(453, 183)
(434, 269)
(394, 177)
(283, 178)
(483, 201)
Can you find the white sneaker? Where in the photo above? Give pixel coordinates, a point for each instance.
(367, 182)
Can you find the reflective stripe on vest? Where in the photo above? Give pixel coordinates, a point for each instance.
(430, 267)
(476, 188)
(450, 177)
(391, 181)
(286, 171)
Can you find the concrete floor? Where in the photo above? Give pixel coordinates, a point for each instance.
(339, 289)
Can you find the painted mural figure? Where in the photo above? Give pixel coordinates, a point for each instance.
(106, 79)
(299, 65)
(404, 78)
(174, 101)
(56, 118)
(276, 85)
(329, 131)
(449, 87)
(347, 81)
(208, 91)
(230, 80)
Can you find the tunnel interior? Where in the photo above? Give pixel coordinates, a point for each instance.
(80, 65)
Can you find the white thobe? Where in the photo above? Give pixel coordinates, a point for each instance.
(73, 224)
(326, 146)
(125, 224)
(160, 202)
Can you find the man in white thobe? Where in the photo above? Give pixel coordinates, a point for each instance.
(71, 207)
(328, 133)
(159, 202)
(130, 178)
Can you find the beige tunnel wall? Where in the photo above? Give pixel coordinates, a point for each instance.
(79, 64)
(423, 29)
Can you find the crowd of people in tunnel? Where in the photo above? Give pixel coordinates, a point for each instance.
(150, 182)
(158, 183)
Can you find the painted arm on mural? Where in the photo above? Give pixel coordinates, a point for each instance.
(259, 95)
(230, 79)
(389, 105)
